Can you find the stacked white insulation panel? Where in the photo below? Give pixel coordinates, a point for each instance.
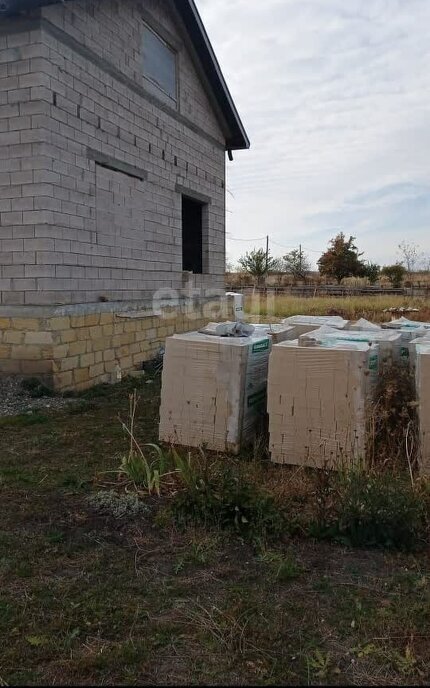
(318, 399)
(213, 390)
(392, 345)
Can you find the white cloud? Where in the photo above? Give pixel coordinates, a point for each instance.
(335, 97)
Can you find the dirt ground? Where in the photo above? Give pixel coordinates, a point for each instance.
(92, 599)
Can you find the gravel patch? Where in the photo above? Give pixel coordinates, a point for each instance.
(14, 399)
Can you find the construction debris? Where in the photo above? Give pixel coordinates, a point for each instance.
(402, 309)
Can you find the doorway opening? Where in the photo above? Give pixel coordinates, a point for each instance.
(192, 235)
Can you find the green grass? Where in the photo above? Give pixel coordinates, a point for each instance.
(89, 598)
(350, 307)
(24, 419)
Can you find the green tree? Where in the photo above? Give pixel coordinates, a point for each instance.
(395, 273)
(257, 264)
(297, 264)
(372, 272)
(341, 259)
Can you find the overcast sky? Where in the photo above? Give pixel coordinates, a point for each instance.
(335, 97)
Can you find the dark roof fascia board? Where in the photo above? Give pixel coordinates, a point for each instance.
(193, 22)
(237, 138)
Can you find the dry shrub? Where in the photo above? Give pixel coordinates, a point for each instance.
(355, 282)
(393, 422)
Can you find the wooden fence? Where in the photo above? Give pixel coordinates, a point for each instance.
(310, 291)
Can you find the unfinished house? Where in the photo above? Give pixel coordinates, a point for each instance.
(115, 121)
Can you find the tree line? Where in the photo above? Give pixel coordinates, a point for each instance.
(341, 259)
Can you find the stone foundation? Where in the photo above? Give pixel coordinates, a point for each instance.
(75, 347)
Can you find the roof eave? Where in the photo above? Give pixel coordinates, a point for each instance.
(237, 139)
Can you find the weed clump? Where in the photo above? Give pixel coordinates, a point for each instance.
(284, 567)
(371, 509)
(380, 510)
(229, 502)
(24, 419)
(393, 421)
(113, 504)
(35, 388)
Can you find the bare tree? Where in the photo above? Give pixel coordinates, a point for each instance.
(411, 256)
(229, 265)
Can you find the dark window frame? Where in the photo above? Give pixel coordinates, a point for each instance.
(204, 233)
(173, 50)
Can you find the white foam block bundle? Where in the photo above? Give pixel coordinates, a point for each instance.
(306, 323)
(392, 346)
(228, 329)
(414, 344)
(363, 324)
(318, 399)
(239, 313)
(213, 390)
(278, 332)
(405, 324)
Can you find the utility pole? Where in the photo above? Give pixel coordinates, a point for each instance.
(267, 254)
(300, 260)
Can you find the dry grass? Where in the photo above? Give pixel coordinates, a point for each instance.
(350, 307)
(393, 422)
(90, 599)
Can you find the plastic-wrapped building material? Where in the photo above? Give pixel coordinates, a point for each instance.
(307, 323)
(392, 347)
(237, 304)
(414, 344)
(318, 401)
(213, 390)
(228, 329)
(423, 395)
(405, 324)
(408, 335)
(278, 332)
(363, 325)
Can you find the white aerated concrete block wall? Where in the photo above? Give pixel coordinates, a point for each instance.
(73, 99)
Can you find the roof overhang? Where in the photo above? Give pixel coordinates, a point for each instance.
(236, 137)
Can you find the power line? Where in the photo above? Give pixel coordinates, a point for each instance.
(289, 246)
(234, 239)
(311, 250)
(283, 245)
